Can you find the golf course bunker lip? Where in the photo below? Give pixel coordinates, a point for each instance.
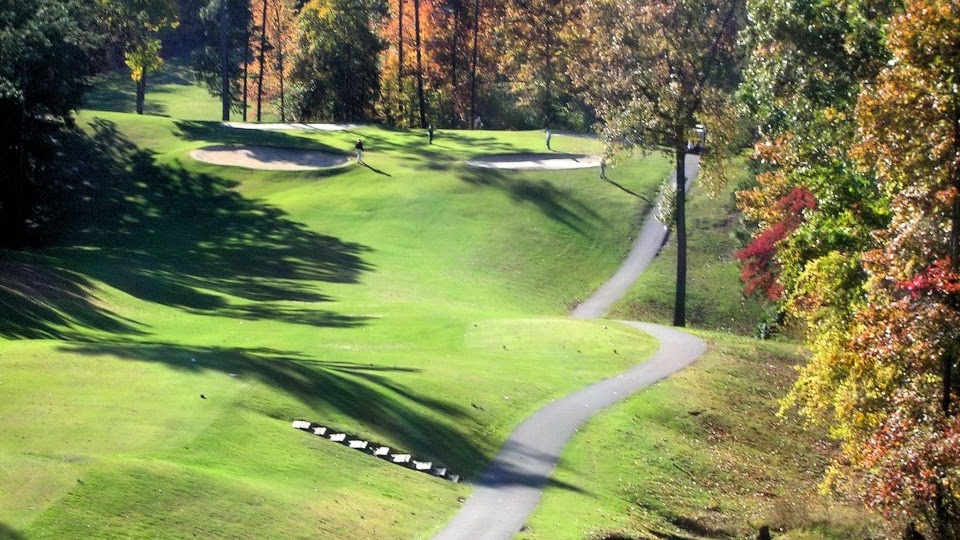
(266, 158)
(540, 162)
(291, 126)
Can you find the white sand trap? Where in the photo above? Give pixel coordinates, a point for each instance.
(536, 161)
(291, 126)
(268, 159)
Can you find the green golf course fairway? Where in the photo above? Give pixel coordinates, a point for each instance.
(415, 301)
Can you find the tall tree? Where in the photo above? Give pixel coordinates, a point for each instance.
(136, 26)
(49, 49)
(282, 30)
(906, 452)
(473, 64)
(406, 103)
(261, 24)
(336, 73)
(419, 48)
(220, 62)
(658, 68)
(537, 67)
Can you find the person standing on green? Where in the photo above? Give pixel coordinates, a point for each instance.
(430, 132)
(548, 139)
(358, 146)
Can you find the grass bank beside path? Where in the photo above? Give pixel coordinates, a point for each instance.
(700, 455)
(154, 351)
(715, 299)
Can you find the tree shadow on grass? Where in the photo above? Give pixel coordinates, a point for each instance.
(558, 204)
(216, 132)
(365, 394)
(519, 465)
(172, 237)
(115, 91)
(9, 533)
(40, 301)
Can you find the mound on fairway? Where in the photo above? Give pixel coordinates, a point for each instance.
(290, 126)
(267, 158)
(536, 161)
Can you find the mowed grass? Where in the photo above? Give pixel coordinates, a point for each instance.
(155, 350)
(715, 298)
(702, 454)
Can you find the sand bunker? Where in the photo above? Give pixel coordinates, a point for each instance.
(291, 126)
(536, 161)
(268, 159)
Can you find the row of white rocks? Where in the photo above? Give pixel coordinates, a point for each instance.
(376, 450)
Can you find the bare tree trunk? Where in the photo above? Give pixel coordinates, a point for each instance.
(263, 50)
(246, 77)
(141, 91)
(473, 69)
(224, 63)
(416, 31)
(680, 300)
(280, 68)
(453, 66)
(400, 99)
(548, 116)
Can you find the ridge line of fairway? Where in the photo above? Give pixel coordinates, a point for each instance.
(508, 492)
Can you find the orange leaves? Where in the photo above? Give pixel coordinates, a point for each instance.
(883, 367)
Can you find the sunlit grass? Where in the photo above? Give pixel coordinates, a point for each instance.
(166, 336)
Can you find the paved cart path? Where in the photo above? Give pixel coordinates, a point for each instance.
(505, 496)
(648, 243)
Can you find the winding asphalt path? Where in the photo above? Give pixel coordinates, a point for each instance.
(648, 243)
(510, 490)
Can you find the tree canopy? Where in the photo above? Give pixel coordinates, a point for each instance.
(49, 49)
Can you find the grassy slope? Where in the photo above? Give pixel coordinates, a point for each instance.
(714, 294)
(412, 302)
(702, 454)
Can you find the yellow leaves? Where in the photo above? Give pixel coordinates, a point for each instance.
(143, 57)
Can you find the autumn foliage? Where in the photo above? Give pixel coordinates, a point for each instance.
(882, 309)
(759, 257)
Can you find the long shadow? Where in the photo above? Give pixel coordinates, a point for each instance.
(39, 301)
(9, 533)
(414, 147)
(169, 236)
(505, 472)
(365, 394)
(194, 130)
(558, 204)
(628, 191)
(376, 170)
(116, 92)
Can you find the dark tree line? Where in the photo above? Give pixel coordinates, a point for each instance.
(48, 54)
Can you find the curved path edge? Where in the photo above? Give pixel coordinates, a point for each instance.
(510, 489)
(646, 246)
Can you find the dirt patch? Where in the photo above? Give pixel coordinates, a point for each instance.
(534, 162)
(268, 158)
